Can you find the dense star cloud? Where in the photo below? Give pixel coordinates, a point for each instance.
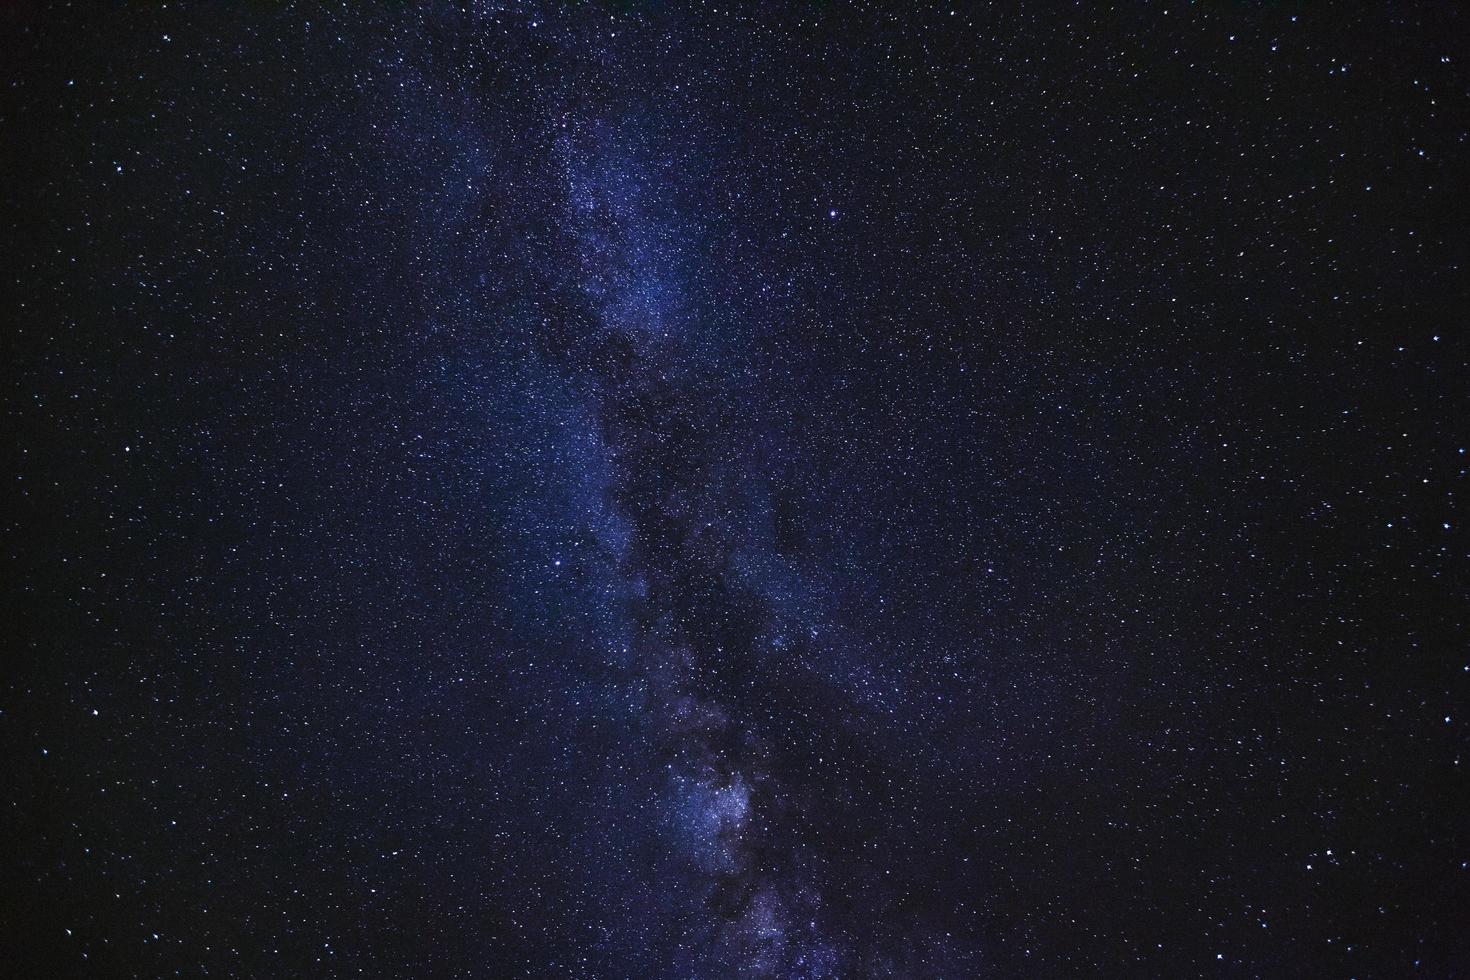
(665, 491)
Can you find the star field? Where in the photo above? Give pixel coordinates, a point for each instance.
(686, 491)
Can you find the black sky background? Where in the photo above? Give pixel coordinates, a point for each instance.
(664, 491)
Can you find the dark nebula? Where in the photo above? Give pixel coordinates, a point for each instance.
(685, 491)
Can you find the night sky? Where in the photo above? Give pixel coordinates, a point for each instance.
(666, 491)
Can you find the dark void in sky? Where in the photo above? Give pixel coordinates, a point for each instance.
(667, 491)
